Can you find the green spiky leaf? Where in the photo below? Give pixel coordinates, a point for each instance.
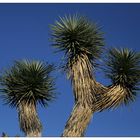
(28, 81)
(75, 35)
(123, 68)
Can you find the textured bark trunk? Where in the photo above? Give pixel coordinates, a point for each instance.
(84, 94)
(78, 121)
(113, 97)
(28, 119)
(34, 134)
(82, 81)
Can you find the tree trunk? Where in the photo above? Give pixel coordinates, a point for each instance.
(28, 119)
(33, 134)
(82, 81)
(84, 94)
(114, 96)
(78, 121)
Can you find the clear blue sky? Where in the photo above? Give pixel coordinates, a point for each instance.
(25, 33)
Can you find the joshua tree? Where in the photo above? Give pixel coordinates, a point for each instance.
(82, 42)
(24, 85)
(123, 68)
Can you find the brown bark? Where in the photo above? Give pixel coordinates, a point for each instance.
(113, 97)
(28, 119)
(82, 80)
(34, 134)
(84, 94)
(90, 96)
(78, 121)
(108, 97)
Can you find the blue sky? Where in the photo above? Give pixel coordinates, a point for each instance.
(25, 33)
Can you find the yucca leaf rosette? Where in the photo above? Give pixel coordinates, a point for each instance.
(24, 85)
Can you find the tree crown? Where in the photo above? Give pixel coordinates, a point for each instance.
(123, 68)
(76, 35)
(28, 81)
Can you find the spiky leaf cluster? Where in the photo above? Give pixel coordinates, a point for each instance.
(28, 81)
(77, 36)
(123, 68)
